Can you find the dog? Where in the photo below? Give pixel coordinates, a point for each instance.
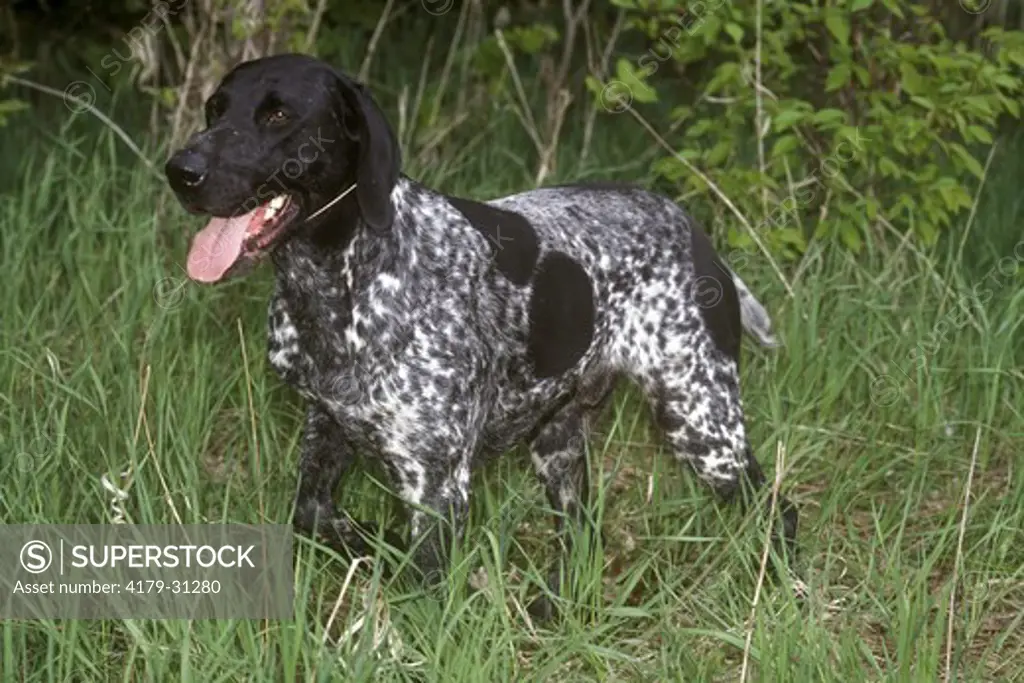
(431, 330)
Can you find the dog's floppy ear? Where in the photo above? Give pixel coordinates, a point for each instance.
(380, 158)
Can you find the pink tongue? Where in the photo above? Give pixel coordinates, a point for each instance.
(218, 246)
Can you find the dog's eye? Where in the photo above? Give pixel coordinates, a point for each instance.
(276, 116)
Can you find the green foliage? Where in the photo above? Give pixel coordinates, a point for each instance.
(640, 90)
(284, 14)
(489, 62)
(531, 39)
(10, 105)
(872, 114)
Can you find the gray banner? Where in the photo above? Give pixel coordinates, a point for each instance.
(146, 571)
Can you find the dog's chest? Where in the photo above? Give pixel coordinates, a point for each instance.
(305, 337)
(287, 351)
(326, 351)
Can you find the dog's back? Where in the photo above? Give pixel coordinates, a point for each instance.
(654, 274)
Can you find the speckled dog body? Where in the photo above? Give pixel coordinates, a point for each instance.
(432, 364)
(453, 328)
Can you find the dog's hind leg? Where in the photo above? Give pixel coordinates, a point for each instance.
(700, 412)
(560, 461)
(559, 458)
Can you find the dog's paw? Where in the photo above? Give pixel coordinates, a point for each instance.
(542, 610)
(347, 538)
(782, 571)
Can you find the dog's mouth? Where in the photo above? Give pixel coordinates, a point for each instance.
(229, 245)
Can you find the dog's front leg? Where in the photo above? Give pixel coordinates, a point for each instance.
(436, 492)
(325, 456)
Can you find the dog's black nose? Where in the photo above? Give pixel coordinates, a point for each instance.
(186, 170)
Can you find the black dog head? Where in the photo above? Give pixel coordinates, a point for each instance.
(285, 136)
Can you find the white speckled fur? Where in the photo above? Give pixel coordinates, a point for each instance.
(428, 368)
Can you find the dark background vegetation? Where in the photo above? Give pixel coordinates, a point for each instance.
(928, 86)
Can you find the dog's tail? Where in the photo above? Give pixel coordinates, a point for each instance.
(753, 315)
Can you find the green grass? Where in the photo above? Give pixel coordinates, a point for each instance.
(113, 361)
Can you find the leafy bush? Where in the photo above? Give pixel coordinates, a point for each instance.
(873, 118)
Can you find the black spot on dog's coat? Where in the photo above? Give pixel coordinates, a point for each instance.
(510, 235)
(561, 315)
(715, 295)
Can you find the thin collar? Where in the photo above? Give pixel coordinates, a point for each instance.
(331, 203)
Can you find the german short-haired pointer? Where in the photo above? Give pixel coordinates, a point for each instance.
(427, 331)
